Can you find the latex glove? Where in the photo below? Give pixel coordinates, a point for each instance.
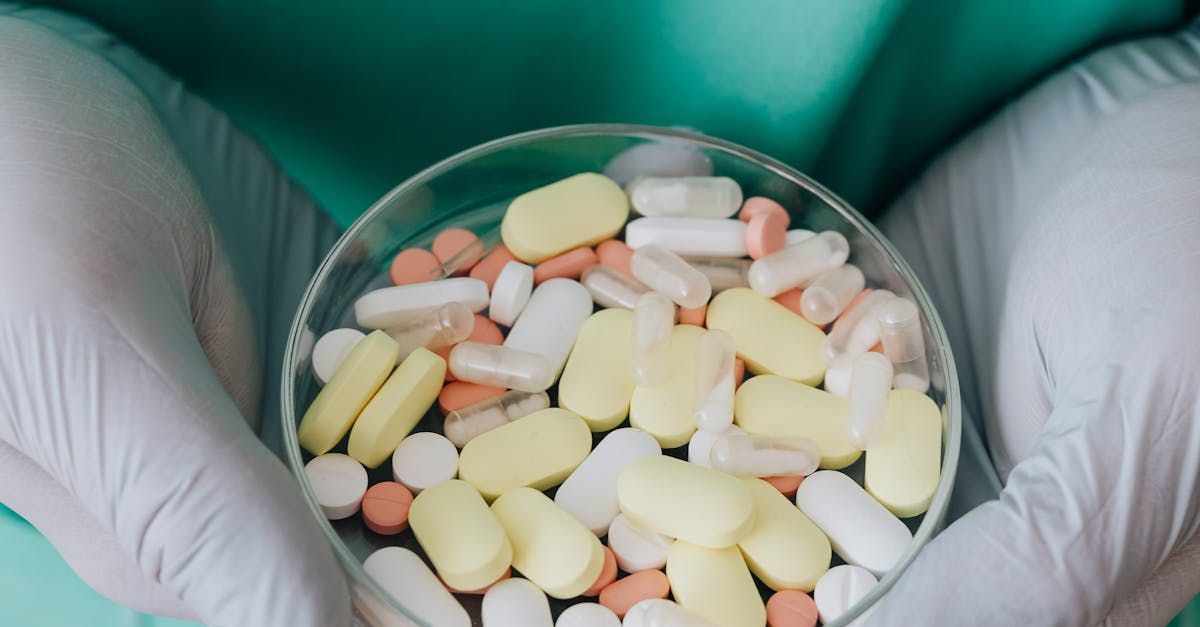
(1061, 242)
(129, 359)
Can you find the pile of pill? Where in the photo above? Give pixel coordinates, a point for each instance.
(605, 449)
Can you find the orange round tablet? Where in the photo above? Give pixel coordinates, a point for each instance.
(451, 242)
(507, 574)
(413, 265)
(739, 372)
(485, 332)
(787, 485)
(569, 265)
(616, 255)
(755, 205)
(608, 573)
(627, 592)
(459, 394)
(791, 608)
(694, 316)
(766, 233)
(385, 508)
(490, 266)
(791, 300)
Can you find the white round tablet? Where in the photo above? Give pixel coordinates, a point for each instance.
(587, 615)
(339, 482)
(840, 588)
(331, 350)
(424, 459)
(515, 603)
(510, 293)
(636, 548)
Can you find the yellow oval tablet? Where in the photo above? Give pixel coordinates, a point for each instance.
(397, 407)
(580, 210)
(596, 383)
(714, 584)
(685, 501)
(901, 472)
(768, 336)
(666, 411)
(550, 548)
(782, 408)
(461, 536)
(329, 417)
(537, 451)
(785, 549)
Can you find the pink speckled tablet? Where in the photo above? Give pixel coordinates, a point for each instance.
(616, 255)
(694, 316)
(413, 265)
(759, 204)
(459, 394)
(507, 575)
(451, 242)
(766, 233)
(626, 592)
(569, 265)
(791, 608)
(385, 508)
(486, 332)
(608, 573)
(787, 485)
(490, 266)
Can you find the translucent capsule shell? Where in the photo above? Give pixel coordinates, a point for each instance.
(501, 366)
(433, 328)
(870, 383)
(857, 330)
(723, 273)
(747, 455)
(904, 343)
(668, 274)
(714, 381)
(798, 264)
(653, 317)
(463, 425)
(609, 288)
(689, 196)
(830, 292)
(462, 260)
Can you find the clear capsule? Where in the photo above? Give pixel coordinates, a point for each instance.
(464, 424)
(465, 258)
(662, 613)
(649, 359)
(610, 288)
(668, 274)
(829, 293)
(749, 455)
(857, 330)
(501, 366)
(715, 355)
(685, 197)
(798, 264)
(433, 328)
(870, 385)
(904, 343)
(723, 272)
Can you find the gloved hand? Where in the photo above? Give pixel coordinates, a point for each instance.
(1061, 243)
(130, 370)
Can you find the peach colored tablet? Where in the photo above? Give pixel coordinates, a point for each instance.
(385, 508)
(791, 608)
(569, 265)
(786, 484)
(490, 266)
(739, 372)
(451, 242)
(766, 233)
(459, 394)
(791, 300)
(626, 592)
(507, 575)
(758, 204)
(485, 332)
(608, 574)
(693, 316)
(616, 255)
(413, 265)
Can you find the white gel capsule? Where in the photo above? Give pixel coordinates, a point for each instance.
(714, 381)
(610, 288)
(829, 293)
(637, 548)
(550, 323)
(722, 273)
(685, 197)
(510, 293)
(590, 493)
(746, 455)
(464, 424)
(700, 237)
(837, 375)
(424, 459)
(587, 615)
(662, 613)
(515, 602)
(435, 328)
(465, 258)
(870, 383)
(857, 330)
(501, 367)
(653, 318)
(904, 343)
(700, 446)
(861, 531)
(403, 575)
(658, 158)
(839, 589)
(331, 349)
(668, 274)
(795, 236)
(389, 306)
(338, 482)
(795, 265)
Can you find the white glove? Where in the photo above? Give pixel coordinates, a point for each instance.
(1061, 242)
(129, 357)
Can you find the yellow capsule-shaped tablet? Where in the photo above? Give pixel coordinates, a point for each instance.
(550, 548)
(685, 501)
(397, 407)
(785, 549)
(667, 410)
(596, 383)
(782, 408)
(902, 470)
(467, 545)
(769, 337)
(580, 210)
(347, 393)
(714, 584)
(537, 451)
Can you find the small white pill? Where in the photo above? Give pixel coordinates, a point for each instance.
(837, 375)
(610, 288)
(715, 357)
(688, 196)
(662, 613)
(434, 328)
(698, 237)
(410, 582)
(424, 459)
(722, 273)
(389, 306)
(510, 293)
(637, 548)
(515, 602)
(331, 349)
(590, 493)
(501, 366)
(339, 482)
(746, 455)
(870, 384)
(904, 343)
(830, 292)
(861, 531)
(839, 589)
(857, 331)
(668, 274)
(551, 321)
(795, 236)
(649, 355)
(700, 446)
(798, 264)
(587, 615)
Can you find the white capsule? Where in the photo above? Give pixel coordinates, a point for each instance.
(515, 602)
(331, 349)
(338, 482)
(464, 424)
(747, 455)
(636, 548)
(587, 615)
(649, 357)
(837, 375)
(861, 531)
(389, 306)
(662, 613)
(403, 575)
(432, 328)
(857, 330)
(904, 343)
(723, 273)
(465, 258)
(590, 493)
(870, 384)
(501, 366)
(550, 322)
(668, 274)
(658, 158)
(610, 288)
(830, 292)
(700, 446)
(795, 236)
(840, 589)
(699, 237)
(715, 355)
(685, 197)
(795, 265)
(510, 293)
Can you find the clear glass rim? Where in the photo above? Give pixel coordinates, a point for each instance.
(941, 498)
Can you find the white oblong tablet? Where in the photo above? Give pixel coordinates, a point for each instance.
(515, 602)
(795, 236)
(861, 531)
(339, 483)
(699, 237)
(551, 320)
(636, 548)
(424, 459)
(410, 582)
(839, 589)
(510, 293)
(702, 442)
(389, 306)
(590, 493)
(587, 615)
(331, 350)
